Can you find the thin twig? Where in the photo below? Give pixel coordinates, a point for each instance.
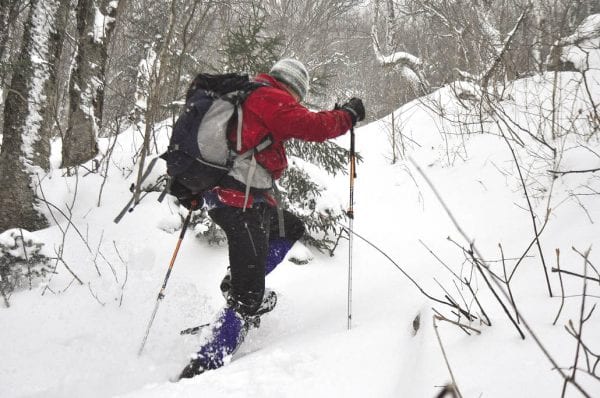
(107, 159)
(440, 261)
(562, 271)
(507, 281)
(473, 250)
(485, 279)
(587, 260)
(523, 320)
(104, 258)
(562, 287)
(581, 322)
(462, 325)
(531, 213)
(487, 321)
(126, 272)
(68, 218)
(458, 324)
(562, 173)
(435, 327)
(94, 295)
(414, 282)
(479, 265)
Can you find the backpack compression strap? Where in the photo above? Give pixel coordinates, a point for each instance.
(253, 165)
(240, 118)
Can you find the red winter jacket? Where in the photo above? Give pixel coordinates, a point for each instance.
(272, 111)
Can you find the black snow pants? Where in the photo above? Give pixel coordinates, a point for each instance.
(248, 234)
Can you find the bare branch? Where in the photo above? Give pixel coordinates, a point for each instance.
(562, 173)
(562, 271)
(523, 320)
(562, 287)
(435, 327)
(507, 41)
(581, 322)
(462, 325)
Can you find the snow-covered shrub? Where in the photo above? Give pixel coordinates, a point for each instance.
(21, 260)
(307, 199)
(204, 227)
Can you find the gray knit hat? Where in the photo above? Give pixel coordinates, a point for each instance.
(293, 73)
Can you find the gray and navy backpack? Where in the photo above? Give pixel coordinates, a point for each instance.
(200, 155)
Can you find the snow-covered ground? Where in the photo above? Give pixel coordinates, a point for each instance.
(81, 340)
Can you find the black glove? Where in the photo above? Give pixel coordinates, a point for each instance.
(185, 196)
(356, 109)
(196, 200)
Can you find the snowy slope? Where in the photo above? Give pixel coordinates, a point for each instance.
(82, 340)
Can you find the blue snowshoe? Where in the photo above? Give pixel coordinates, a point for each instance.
(227, 335)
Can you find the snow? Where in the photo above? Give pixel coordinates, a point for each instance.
(170, 223)
(399, 56)
(405, 60)
(146, 68)
(19, 243)
(581, 47)
(101, 22)
(82, 340)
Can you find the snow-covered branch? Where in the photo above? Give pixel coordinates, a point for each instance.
(507, 41)
(572, 52)
(397, 58)
(410, 65)
(589, 29)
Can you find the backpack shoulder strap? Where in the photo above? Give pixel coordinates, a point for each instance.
(238, 99)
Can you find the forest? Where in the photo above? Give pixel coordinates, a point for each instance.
(462, 96)
(76, 72)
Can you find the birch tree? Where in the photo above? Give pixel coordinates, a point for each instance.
(95, 25)
(25, 150)
(387, 54)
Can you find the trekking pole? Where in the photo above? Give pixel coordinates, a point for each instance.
(161, 294)
(351, 217)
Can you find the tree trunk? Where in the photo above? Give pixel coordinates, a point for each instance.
(56, 40)
(25, 151)
(86, 89)
(155, 84)
(9, 10)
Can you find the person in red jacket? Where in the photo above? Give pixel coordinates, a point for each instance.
(258, 235)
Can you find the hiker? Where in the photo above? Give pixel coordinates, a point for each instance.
(259, 234)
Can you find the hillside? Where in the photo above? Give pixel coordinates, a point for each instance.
(65, 339)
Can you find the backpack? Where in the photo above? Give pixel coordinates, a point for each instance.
(199, 153)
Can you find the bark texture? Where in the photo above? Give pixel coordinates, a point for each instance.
(25, 150)
(95, 25)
